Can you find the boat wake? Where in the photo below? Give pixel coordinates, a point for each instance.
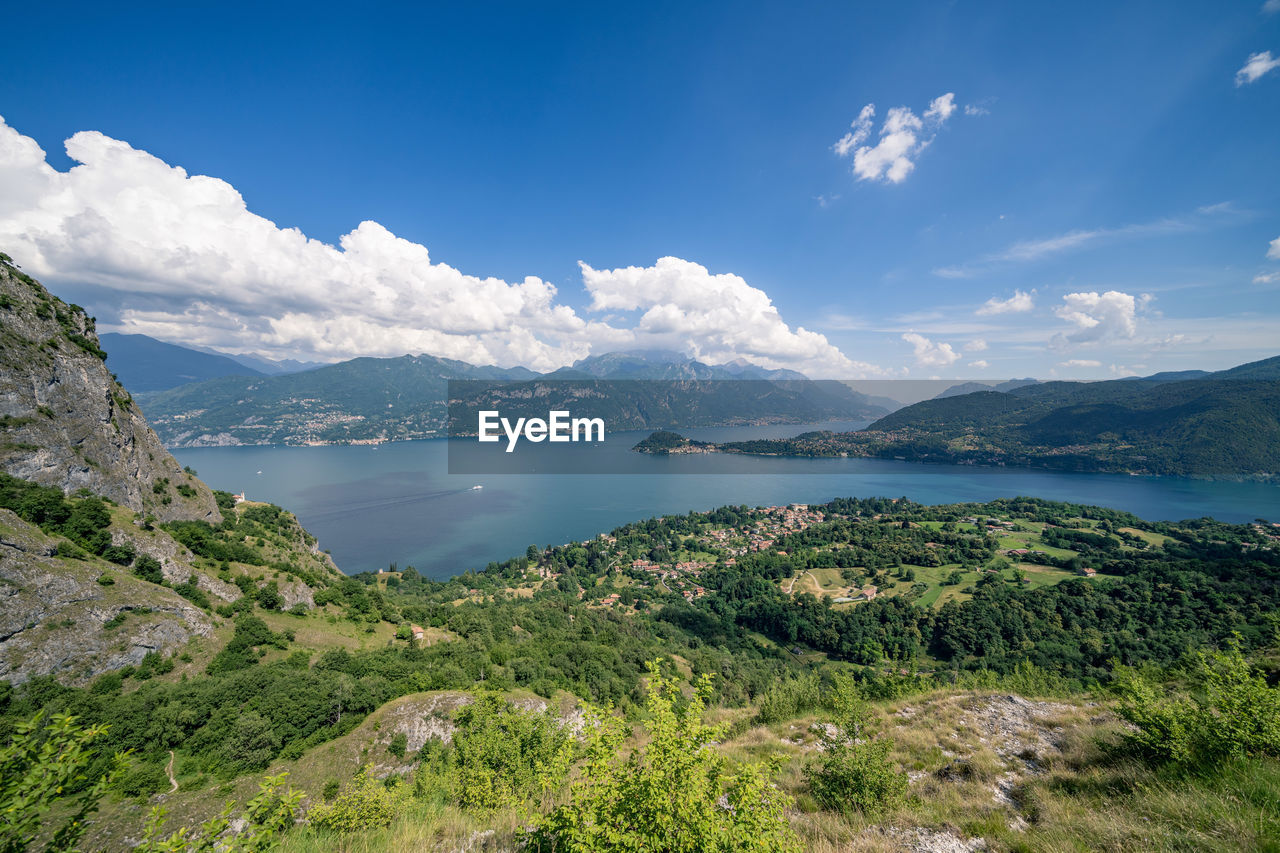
(360, 507)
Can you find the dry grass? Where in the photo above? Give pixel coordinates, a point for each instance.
(425, 827)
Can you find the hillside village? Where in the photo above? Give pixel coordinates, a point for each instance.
(1017, 552)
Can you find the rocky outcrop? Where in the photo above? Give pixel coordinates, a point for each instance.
(64, 419)
(295, 592)
(66, 422)
(175, 562)
(55, 617)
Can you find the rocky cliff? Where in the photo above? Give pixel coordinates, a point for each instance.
(56, 617)
(64, 419)
(86, 585)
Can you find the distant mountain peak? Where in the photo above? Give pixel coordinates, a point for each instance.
(975, 386)
(666, 364)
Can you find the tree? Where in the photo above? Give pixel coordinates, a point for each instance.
(38, 768)
(148, 568)
(251, 744)
(665, 795)
(269, 597)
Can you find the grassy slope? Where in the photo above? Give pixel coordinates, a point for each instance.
(1016, 773)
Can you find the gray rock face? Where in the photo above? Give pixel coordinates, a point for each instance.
(66, 422)
(56, 618)
(175, 562)
(296, 592)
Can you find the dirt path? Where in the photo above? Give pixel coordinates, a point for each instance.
(169, 770)
(793, 579)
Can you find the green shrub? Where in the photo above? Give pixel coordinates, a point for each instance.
(364, 804)
(107, 684)
(142, 780)
(191, 591)
(148, 568)
(785, 699)
(269, 597)
(69, 549)
(399, 743)
(87, 345)
(1230, 712)
(854, 771)
(503, 756)
(266, 817)
(40, 767)
(665, 795)
(121, 555)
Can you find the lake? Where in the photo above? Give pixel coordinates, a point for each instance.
(374, 505)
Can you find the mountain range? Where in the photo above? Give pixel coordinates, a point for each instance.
(971, 387)
(368, 400)
(142, 363)
(1220, 424)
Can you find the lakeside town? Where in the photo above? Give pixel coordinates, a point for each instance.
(846, 559)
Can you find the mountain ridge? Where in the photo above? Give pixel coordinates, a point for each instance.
(142, 363)
(1223, 425)
(371, 400)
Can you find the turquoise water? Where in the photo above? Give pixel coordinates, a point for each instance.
(397, 502)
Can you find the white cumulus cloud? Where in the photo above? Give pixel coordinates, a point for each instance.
(1015, 304)
(1080, 362)
(721, 317)
(861, 129)
(1273, 251)
(975, 345)
(980, 364)
(903, 135)
(1098, 316)
(182, 258)
(941, 108)
(928, 353)
(1256, 66)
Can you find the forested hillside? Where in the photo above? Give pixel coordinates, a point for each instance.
(1225, 424)
(412, 680)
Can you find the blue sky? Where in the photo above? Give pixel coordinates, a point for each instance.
(1098, 195)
